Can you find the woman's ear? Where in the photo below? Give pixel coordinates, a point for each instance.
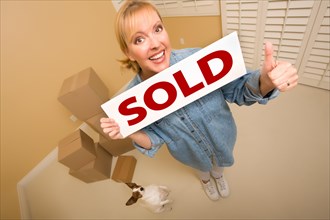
(129, 55)
(131, 201)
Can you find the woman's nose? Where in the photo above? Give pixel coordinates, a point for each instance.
(154, 42)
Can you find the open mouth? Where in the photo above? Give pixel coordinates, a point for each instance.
(157, 56)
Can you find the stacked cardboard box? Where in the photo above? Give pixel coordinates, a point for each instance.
(114, 147)
(76, 150)
(96, 170)
(124, 170)
(83, 94)
(87, 161)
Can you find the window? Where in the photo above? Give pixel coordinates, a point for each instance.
(298, 29)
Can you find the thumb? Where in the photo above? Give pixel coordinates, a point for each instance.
(269, 62)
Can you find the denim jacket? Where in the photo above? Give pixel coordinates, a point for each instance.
(205, 129)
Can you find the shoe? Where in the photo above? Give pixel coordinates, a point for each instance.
(222, 186)
(210, 190)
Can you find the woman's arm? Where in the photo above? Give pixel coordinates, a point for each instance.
(142, 139)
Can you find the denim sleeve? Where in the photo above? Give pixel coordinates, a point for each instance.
(156, 143)
(245, 90)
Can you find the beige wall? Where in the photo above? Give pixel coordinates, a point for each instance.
(196, 31)
(44, 42)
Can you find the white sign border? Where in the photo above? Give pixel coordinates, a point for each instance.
(229, 43)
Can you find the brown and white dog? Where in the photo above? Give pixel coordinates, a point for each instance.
(153, 197)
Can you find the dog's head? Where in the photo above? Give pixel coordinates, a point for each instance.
(137, 193)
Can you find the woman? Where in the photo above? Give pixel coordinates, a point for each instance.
(202, 134)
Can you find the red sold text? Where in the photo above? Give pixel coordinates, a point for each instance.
(171, 90)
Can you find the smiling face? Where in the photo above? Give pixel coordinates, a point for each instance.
(148, 43)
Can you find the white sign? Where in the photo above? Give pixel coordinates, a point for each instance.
(175, 87)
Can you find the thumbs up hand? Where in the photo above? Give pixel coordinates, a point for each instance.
(276, 74)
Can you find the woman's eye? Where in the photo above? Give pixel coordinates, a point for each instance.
(159, 28)
(139, 40)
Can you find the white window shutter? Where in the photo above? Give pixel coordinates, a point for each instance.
(316, 59)
(298, 29)
(242, 16)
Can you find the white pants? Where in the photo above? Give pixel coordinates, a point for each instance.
(216, 172)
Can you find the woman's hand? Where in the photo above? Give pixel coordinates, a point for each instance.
(111, 128)
(281, 74)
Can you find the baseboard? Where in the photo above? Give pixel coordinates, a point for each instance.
(51, 157)
(23, 202)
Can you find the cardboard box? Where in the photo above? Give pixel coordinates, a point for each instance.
(124, 170)
(94, 122)
(76, 150)
(116, 147)
(83, 94)
(96, 170)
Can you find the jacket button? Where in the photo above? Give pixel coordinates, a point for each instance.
(182, 118)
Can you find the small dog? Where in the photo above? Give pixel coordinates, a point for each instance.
(154, 198)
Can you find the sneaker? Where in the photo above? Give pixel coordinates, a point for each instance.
(222, 186)
(210, 190)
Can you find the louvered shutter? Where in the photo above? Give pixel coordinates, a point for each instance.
(241, 16)
(298, 29)
(316, 59)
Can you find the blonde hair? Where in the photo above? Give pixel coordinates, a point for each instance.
(124, 23)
